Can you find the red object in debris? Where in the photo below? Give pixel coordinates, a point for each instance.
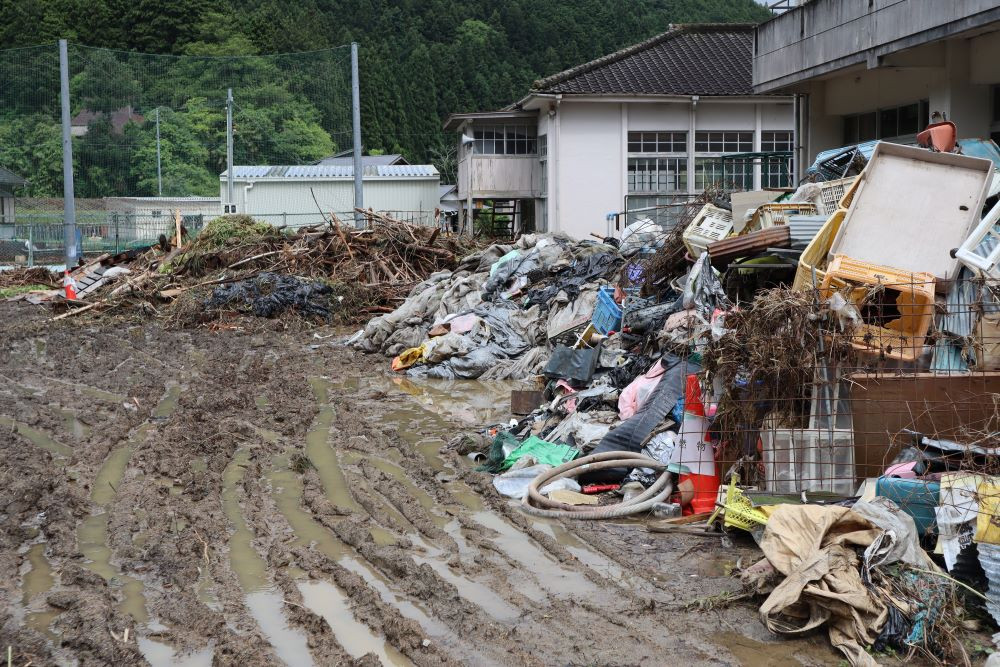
(70, 286)
(706, 490)
(692, 396)
(940, 136)
(600, 488)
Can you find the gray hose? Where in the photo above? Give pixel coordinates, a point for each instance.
(645, 501)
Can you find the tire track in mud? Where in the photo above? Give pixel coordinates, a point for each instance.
(386, 550)
(563, 583)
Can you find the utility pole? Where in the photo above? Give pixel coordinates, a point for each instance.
(359, 197)
(69, 204)
(159, 174)
(230, 208)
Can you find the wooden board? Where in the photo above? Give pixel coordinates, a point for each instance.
(932, 404)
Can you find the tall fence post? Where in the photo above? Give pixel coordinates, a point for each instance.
(359, 198)
(69, 204)
(31, 245)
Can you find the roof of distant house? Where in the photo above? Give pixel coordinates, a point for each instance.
(366, 160)
(692, 59)
(119, 118)
(320, 171)
(7, 177)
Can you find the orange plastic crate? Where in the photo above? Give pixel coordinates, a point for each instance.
(896, 322)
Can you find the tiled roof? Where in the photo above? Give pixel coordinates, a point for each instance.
(696, 59)
(366, 160)
(312, 171)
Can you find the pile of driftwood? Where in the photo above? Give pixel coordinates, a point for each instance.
(370, 270)
(28, 277)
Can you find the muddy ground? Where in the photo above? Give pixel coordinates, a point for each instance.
(257, 496)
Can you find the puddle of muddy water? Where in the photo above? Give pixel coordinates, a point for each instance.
(168, 403)
(35, 437)
(751, 653)
(323, 456)
(356, 638)
(267, 608)
(159, 654)
(37, 581)
(76, 428)
(249, 567)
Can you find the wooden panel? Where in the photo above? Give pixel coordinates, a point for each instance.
(935, 405)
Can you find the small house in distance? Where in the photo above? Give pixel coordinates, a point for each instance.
(297, 195)
(9, 182)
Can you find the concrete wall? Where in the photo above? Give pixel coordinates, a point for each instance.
(591, 177)
(824, 36)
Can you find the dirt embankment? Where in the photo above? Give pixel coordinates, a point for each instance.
(250, 498)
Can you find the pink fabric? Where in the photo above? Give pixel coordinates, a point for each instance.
(571, 403)
(634, 395)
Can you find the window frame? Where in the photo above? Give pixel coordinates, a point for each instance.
(664, 155)
(505, 139)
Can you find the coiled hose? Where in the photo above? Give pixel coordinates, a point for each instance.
(536, 504)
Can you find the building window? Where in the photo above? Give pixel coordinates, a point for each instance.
(776, 141)
(665, 210)
(505, 140)
(898, 123)
(657, 142)
(730, 175)
(657, 162)
(543, 156)
(723, 142)
(657, 174)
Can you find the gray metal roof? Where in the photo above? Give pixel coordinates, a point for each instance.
(7, 177)
(324, 171)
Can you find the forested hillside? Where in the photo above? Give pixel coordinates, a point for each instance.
(420, 60)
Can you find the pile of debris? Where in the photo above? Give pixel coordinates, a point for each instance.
(239, 266)
(497, 314)
(745, 371)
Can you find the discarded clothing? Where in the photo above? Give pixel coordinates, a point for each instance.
(634, 396)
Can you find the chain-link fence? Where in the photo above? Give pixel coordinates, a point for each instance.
(36, 239)
(153, 127)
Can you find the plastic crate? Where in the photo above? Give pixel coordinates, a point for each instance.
(899, 338)
(772, 215)
(814, 256)
(832, 193)
(608, 314)
(981, 251)
(710, 225)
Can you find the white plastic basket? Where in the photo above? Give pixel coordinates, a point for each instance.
(832, 192)
(981, 251)
(804, 460)
(710, 225)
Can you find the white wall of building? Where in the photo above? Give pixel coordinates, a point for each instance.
(290, 201)
(589, 162)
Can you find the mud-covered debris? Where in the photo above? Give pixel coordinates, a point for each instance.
(271, 294)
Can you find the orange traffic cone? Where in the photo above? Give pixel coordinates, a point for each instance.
(70, 285)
